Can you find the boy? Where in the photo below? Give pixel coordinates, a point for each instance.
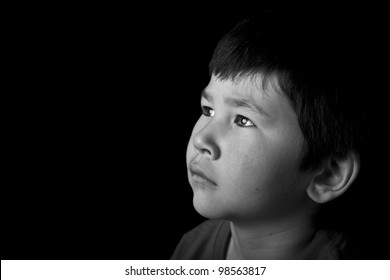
(277, 139)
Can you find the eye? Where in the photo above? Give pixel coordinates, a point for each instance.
(243, 121)
(207, 111)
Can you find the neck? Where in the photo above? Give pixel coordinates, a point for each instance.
(286, 241)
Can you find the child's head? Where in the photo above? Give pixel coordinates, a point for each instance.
(280, 129)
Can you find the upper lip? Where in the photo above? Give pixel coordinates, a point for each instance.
(196, 170)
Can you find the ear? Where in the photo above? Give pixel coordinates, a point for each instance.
(334, 178)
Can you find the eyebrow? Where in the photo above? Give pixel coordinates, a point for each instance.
(248, 103)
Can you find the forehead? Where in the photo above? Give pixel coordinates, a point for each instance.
(264, 94)
(253, 87)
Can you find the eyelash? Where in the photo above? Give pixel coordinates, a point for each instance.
(206, 112)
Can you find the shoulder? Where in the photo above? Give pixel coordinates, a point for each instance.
(337, 246)
(204, 241)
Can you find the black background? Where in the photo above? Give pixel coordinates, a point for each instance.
(101, 112)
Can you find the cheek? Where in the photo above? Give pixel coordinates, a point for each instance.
(258, 168)
(243, 167)
(263, 180)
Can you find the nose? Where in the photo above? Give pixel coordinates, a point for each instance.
(205, 142)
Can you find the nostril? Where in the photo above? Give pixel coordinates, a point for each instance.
(205, 151)
(205, 142)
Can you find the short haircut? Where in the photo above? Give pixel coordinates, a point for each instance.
(319, 67)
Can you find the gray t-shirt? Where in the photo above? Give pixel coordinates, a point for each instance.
(210, 241)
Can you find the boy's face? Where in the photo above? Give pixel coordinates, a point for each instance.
(248, 144)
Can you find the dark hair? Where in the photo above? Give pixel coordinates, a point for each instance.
(319, 67)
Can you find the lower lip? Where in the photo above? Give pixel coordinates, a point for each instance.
(197, 179)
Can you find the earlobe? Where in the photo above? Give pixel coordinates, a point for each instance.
(334, 178)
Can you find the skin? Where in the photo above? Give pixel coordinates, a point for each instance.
(251, 158)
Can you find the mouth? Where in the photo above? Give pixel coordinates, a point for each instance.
(199, 176)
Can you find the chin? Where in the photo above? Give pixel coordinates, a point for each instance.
(208, 208)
